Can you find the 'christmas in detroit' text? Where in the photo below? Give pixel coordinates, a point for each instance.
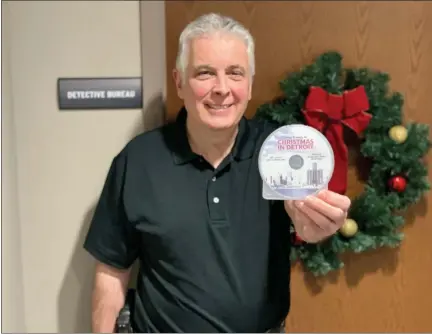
(295, 144)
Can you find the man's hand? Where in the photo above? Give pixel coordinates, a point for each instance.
(318, 217)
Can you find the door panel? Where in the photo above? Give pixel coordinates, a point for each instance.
(384, 290)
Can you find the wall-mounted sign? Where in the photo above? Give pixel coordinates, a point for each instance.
(99, 93)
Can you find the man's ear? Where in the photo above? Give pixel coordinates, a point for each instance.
(178, 83)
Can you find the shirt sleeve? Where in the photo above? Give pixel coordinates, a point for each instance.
(111, 238)
(282, 226)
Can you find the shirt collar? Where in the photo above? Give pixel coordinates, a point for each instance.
(244, 145)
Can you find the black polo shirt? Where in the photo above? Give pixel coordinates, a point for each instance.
(214, 255)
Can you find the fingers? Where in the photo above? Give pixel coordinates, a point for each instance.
(316, 218)
(289, 205)
(306, 228)
(335, 199)
(324, 210)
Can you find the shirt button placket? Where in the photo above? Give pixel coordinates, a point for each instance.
(214, 199)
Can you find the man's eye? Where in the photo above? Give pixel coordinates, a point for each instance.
(237, 75)
(204, 73)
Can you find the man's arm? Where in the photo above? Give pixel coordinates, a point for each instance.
(108, 297)
(114, 243)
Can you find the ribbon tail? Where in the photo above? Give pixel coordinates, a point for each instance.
(338, 182)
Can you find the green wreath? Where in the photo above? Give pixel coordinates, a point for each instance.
(397, 177)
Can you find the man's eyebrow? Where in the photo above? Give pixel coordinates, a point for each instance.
(208, 67)
(236, 66)
(201, 67)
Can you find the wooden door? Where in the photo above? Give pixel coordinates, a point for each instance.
(385, 290)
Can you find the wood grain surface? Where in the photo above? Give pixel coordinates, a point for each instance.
(384, 290)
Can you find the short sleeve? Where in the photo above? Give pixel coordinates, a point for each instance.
(281, 225)
(111, 239)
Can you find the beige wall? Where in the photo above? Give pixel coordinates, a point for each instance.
(12, 279)
(55, 162)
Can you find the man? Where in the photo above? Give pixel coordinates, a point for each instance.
(185, 200)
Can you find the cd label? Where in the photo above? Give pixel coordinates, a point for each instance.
(295, 161)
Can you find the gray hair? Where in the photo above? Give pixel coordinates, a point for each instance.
(212, 23)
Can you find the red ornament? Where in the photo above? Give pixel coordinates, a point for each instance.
(398, 183)
(329, 113)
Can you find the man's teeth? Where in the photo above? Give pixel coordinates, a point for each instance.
(221, 106)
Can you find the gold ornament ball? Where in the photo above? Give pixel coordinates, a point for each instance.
(349, 228)
(398, 133)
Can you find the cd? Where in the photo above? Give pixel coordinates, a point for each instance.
(295, 161)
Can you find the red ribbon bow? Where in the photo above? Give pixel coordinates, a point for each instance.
(328, 113)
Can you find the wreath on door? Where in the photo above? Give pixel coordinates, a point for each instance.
(334, 99)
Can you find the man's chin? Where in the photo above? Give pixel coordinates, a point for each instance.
(220, 123)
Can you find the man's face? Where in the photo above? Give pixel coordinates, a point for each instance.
(217, 86)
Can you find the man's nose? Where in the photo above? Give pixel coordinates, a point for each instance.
(221, 86)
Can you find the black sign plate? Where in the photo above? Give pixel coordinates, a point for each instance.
(99, 93)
